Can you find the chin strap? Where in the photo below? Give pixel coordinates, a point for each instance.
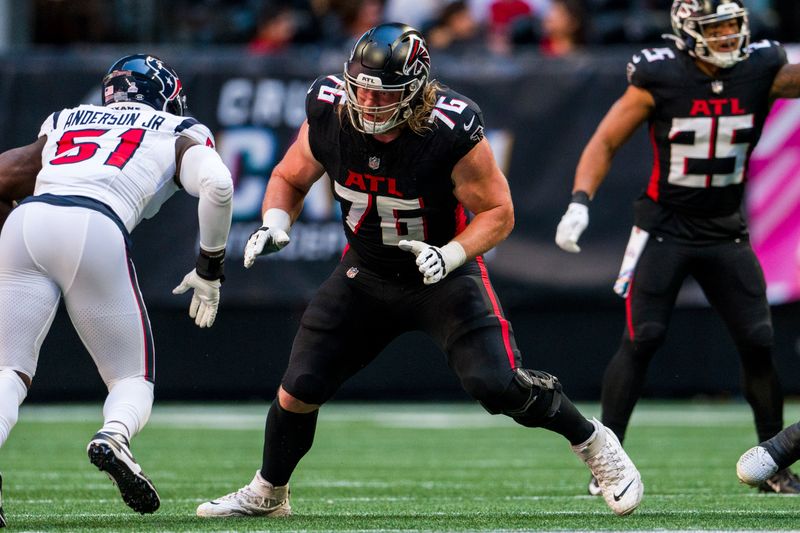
(680, 43)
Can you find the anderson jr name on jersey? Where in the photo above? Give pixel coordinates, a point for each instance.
(103, 148)
(397, 190)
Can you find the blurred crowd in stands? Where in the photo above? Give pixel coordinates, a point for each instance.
(552, 27)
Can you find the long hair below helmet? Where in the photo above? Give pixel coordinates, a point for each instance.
(144, 79)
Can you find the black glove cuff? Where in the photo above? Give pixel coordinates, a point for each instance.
(581, 197)
(262, 228)
(211, 266)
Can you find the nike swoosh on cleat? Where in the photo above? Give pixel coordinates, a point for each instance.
(468, 125)
(618, 497)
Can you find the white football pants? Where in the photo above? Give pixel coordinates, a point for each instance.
(47, 251)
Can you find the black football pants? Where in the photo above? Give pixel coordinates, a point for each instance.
(732, 280)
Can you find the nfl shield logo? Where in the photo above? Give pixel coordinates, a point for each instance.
(352, 272)
(374, 162)
(717, 86)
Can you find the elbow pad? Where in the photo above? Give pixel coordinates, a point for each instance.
(203, 174)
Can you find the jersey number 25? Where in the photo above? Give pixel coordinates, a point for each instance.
(714, 139)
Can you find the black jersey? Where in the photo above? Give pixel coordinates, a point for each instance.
(703, 131)
(397, 190)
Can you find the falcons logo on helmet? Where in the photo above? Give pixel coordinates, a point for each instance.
(418, 60)
(687, 8)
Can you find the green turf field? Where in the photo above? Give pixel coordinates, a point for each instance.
(392, 467)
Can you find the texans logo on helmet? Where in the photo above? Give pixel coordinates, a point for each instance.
(171, 84)
(418, 59)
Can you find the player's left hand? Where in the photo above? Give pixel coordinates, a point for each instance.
(435, 263)
(205, 299)
(571, 226)
(264, 240)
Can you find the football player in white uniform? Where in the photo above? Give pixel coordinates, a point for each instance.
(98, 171)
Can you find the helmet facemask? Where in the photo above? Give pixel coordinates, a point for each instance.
(695, 30)
(385, 117)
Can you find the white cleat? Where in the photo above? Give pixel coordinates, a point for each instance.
(259, 498)
(619, 480)
(755, 466)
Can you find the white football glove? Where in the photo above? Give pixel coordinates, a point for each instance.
(264, 240)
(571, 226)
(435, 263)
(205, 299)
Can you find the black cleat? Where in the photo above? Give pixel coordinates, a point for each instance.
(110, 453)
(2, 516)
(782, 482)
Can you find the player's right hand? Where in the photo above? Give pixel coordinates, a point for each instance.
(262, 241)
(571, 226)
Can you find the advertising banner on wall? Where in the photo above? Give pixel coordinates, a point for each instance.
(539, 113)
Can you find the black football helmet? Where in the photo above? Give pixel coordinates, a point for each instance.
(392, 58)
(144, 79)
(690, 18)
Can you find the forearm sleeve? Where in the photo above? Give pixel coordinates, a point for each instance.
(205, 176)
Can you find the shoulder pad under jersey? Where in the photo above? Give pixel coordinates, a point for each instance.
(324, 96)
(649, 65)
(50, 123)
(195, 131)
(459, 118)
(770, 54)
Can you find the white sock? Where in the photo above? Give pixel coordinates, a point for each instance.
(12, 393)
(128, 406)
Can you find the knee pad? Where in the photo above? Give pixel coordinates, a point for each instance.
(649, 334)
(308, 388)
(542, 393)
(758, 336)
(11, 380)
(12, 393)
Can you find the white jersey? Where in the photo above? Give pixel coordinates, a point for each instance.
(122, 155)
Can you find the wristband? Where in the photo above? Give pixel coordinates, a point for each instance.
(211, 266)
(453, 256)
(277, 218)
(581, 197)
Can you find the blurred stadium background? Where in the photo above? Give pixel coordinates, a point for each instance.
(246, 65)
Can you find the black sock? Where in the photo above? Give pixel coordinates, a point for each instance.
(623, 381)
(784, 448)
(287, 438)
(762, 390)
(568, 421)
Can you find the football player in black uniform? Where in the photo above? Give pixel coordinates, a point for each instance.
(705, 98)
(407, 160)
(762, 462)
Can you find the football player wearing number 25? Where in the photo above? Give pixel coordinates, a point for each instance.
(407, 160)
(705, 97)
(94, 173)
